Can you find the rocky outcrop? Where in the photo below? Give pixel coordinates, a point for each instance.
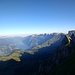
(71, 32)
(66, 48)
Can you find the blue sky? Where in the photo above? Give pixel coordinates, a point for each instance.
(36, 16)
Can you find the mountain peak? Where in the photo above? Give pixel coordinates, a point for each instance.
(71, 32)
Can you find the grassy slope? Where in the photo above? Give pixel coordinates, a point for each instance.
(14, 55)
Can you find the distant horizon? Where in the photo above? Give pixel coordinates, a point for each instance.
(35, 33)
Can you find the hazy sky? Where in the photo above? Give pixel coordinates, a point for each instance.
(36, 16)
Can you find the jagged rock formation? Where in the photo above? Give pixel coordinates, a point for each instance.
(55, 41)
(34, 40)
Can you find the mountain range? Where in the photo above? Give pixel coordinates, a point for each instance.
(9, 44)
(43, 54)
